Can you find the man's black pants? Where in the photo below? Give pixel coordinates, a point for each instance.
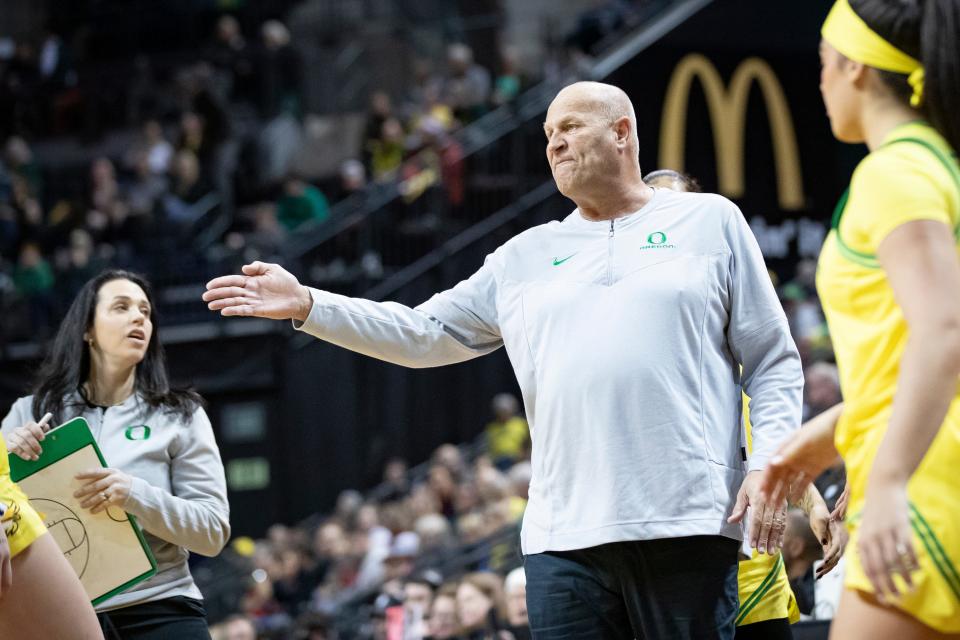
(669, 589)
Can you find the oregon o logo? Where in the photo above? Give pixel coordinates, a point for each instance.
(139, 432)
(657, 237)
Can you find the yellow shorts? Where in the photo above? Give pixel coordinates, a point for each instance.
(764, 590)
(934, 494)
(22, 524)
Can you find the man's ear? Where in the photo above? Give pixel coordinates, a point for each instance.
(623, 130)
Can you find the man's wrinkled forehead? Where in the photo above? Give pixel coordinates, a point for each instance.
(565, 106)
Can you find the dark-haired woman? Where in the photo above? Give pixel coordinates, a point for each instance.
(107, 365)
(889, 281)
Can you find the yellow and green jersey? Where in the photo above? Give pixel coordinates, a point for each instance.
(912, 176)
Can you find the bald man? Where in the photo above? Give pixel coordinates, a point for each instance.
(626, 323)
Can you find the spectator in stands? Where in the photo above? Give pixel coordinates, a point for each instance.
(821, 389)
(147, 188)
(33, 278)
(367, 517)
(444, 622)
(398, 565)
(267, 236)
(467, 88)
(301, 202)
(434, 532)
(490, 483)
(472, 527)
(353, 179)
(480, 606)
(418, 592)
(424, 88)
(192, 134)
(422, 501)
(259, 605)
(520, 475)
(313, 626)
(104, 188)
(19, 161)
(81, 265)
(449, 456)
(292, 583)
(159, 152)
(387, 151)
(235, 627)
(55, 64)
(800, 550)
(24, 219)
(377, 542)
(395, 485)
(381, 110)
(278, 71)
(803, 311)
(187, 189)
(506, 87)
(444, 156)
(444, 487)
(348, 504)
(9, 232)
(330, 548)
(508, 436)
(231, 59)
(515, 594)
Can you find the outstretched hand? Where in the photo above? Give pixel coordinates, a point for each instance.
(263, 291)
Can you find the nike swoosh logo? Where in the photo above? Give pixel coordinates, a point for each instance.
(557, 261)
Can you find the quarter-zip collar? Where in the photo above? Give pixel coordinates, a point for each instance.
(576, 220)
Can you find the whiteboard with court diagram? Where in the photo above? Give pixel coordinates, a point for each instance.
(107, 549)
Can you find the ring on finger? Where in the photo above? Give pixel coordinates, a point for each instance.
(903, 554)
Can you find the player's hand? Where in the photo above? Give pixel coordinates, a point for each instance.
(103, 488)
(840, 507)
(25, 441)
(6, 566)
(264, 290)
(798, 462)
(834, 550)
(832, 537)
(885, 542)
(768, 520)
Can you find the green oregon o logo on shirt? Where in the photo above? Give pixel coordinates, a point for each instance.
(137, 432)
(657, 237)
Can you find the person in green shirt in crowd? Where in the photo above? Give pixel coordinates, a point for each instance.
(301, 202)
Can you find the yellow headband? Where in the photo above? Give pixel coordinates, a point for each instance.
(852, 37)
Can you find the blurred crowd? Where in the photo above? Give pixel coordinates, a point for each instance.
(191, 162)
(432, 551)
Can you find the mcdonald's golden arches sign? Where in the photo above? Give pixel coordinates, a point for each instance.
(728, 113)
